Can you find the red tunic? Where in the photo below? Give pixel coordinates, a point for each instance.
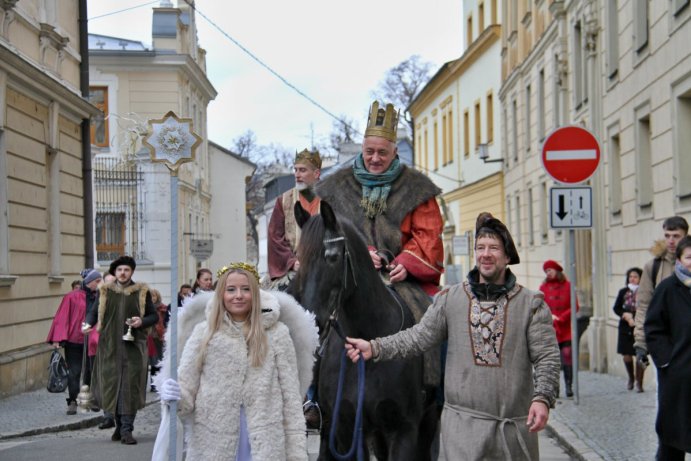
(281, 254)
(67, 323)
(558, 298)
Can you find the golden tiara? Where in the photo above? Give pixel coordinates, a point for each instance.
(238, 265)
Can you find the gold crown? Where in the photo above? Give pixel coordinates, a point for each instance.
(382, 122)
(243, 266)
(311, 157)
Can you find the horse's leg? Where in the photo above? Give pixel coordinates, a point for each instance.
(402, 444)
(428, 433)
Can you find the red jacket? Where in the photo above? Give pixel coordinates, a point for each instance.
(67, 323)
(558, 298)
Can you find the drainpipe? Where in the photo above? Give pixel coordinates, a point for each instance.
(87, 173)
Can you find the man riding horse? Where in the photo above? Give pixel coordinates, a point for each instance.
(395, 208)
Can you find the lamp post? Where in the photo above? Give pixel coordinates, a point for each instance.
(172, 142)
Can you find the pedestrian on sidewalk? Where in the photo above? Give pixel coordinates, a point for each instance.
(156, 335)
(668, 337)
(557, 290)
(108, 418)
(66, 332)
(655, 271)
(502, 367)
(238, 376)
(625, 308)
(120, 369)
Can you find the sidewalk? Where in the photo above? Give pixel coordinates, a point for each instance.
(610, 423)
(40, 412)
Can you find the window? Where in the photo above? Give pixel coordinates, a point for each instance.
(544, 211)
(110, 235)
(679, 5)
(528, 139)
(490, 118)
(449, 134)
(644, 179)
(614, 160)
(519, 241)
(466, 133)
(480, 18)
(478, 124)
(426, 151)
(493, 11)
(436, 146)
(418, 151)
(612, 37)
(98, 96)
(531, 228)
(469, 31)
(556, 93)
(444, 141)
(580, 79)
(514, 122)
(640, 24)
(541, 105)
(682, 159)
(4, 207)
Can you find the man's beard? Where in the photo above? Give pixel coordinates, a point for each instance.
(300, 186)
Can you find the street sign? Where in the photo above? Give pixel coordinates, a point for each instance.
(571, 154)
(571, 207)
(201, 249)
(460, 244)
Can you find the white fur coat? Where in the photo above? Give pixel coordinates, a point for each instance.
(271, 395)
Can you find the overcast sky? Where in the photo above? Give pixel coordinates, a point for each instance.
(335, 52)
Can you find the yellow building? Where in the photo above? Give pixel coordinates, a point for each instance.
(43, 139)
(456, 134)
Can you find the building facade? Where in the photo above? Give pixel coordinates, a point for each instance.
(621, 70)
(42, 211)
(457, 134)
(132, 84)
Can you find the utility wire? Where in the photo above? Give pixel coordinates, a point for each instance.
(269, 68)
(123, 10)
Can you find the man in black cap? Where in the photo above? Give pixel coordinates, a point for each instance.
(119, 376)
(502, 367)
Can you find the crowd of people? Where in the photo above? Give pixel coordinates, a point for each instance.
(238, 386)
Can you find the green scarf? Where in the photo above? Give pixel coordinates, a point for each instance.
(375, 187)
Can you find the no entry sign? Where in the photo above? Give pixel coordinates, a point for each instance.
(570, 154)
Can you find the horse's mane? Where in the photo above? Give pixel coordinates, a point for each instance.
(312, 243)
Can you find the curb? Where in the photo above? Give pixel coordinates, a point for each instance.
(571, 443)
(81, 424)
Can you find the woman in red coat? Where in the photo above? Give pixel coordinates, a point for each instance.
(557, 292)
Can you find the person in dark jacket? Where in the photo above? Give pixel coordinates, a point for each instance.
(625, 308)
(668, 337)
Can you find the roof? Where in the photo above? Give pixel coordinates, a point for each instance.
(232, 154)
(107, 43)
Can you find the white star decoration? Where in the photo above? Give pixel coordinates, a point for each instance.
(171, 140)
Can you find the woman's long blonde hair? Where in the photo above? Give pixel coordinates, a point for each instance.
(253, 329)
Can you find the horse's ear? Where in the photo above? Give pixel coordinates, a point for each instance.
(328, 216)
(301, 215)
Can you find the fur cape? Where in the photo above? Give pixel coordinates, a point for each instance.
(300, 322)
(303, 332)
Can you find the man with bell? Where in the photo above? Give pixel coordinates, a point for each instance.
(119, 380)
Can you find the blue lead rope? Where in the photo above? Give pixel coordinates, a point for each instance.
(357, 429)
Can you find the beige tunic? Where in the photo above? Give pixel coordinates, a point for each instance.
(501, 357)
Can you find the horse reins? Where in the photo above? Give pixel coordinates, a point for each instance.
(358, 439)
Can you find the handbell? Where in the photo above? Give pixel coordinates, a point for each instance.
(85, 400)
(128, 336)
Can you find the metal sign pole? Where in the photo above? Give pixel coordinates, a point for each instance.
(571, 264)
(172, 142)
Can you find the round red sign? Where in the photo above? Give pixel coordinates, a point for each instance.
(571, 154)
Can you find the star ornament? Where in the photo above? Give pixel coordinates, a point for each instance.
(172, 141)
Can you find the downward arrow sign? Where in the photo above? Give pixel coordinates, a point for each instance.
(560, 212)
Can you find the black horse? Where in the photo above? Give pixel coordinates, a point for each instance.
(337, 279)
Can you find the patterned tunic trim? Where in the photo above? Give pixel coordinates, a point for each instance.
(487, 321)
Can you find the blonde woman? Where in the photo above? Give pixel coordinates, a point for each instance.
(238, 377)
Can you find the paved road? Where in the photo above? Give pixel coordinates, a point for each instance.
(93, 444)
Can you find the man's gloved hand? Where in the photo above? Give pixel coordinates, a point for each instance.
(170, 390)
(642, 356)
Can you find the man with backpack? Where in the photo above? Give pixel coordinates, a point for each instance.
(656, 270)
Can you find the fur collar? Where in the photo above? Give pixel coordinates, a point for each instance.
(133, 287)
(659, 249)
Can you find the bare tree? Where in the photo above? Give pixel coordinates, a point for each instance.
(344, 130)
(245, 144)
(402, 83)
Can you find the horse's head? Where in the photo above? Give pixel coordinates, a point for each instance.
(328, 253)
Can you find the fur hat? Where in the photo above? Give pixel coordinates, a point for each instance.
(89, 275)
(487, 223)
(552, 264)
(122, 261)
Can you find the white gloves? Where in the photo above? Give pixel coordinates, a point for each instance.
(170, 390)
